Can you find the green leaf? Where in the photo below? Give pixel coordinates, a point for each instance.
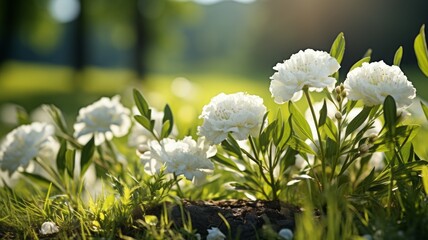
(323, 114)
(145, 122)
(368, 53)
(22, 116)
(70, 157)
(167, 117)
(337, 50)
(421, 51)
(141, 103)
(398, 55)
(225, 162)
(358, 120)
(425, 109)
(300, 122)
(390, 115)
(165, 129)
(360, 62)
(338, 47)
(86, 157)
(60, 157)
(57, 117)
(38, 180)
(424, 174)
(300, 146)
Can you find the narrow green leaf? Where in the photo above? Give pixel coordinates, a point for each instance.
(70, 157)
(38, 180)
(57, 117)
(421, 51)
(165, 129)
(368, 53)
(323, 114)
(22, 116)
(300, 122)
(338, 47)
(300, 146)
(86, 157)
(225, 162)
(360, 62)
(398, 55)
(144, 121)
(424, 175)
(167, 116)
(141, 103)
(60, 157)
(358, 120)
(424, 109)
(390, 115)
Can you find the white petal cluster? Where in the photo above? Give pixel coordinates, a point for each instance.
(181, 157)
(140, 135)
(307, 68)
(26, 142)
(373, 82)
(105, 118)
(239, 114)
(49, 228)
(215, 234)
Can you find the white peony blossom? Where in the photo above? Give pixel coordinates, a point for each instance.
(140, 135)
(215, 234)
(181, 157)
(25, 143)
(105, 118)
(239, 114)
(49, 228)
(372, 82)
(307, 68)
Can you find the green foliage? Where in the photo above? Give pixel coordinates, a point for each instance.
(421, 51)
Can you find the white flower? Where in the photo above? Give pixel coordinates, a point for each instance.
(105, 118)
(181, 157)
(372, 82)
(140, 135)
(239, 114)
(25, 143)
(308, 68)
(286, 234)
(215, 234)
(49, 228)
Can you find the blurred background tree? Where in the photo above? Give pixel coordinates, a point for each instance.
(70, 52)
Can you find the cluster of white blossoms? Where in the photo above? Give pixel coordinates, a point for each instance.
(180, 157)
(25, 143)
(309, 68)
(373, 82)
(239, 114)
(105, 119)
(215, 234)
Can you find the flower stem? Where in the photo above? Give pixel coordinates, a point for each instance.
(321, 147)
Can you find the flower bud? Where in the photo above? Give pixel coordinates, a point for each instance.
(364, 148)
(372, 138)
(338, 115)
(142, 148)
(49, 228)
(338, 90)
(338, 98)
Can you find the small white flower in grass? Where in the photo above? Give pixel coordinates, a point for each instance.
(215, 234)
(26, 142)
(105, 118)
(49, 228)
(181, 157)
(286, 234)
(140, 135)
(373, 82)
(239, 114)
(307, 68)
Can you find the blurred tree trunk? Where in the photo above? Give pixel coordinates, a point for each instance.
(140, 46)
(79, 58)
(9, 22)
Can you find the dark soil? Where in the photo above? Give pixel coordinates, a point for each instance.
(246, 218)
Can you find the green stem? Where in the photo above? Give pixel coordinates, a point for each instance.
(321, 147)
